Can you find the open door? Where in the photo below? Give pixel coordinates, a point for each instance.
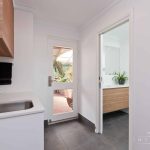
(62, 80)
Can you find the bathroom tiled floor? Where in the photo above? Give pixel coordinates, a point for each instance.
(76, 136)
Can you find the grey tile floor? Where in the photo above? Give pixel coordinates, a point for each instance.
(74, 135)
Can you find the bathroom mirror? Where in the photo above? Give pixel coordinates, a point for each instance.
(115, 50)
(115, 53)
(112, 59)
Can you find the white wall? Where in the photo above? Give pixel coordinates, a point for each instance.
(89, 45)
(139, 72)
(22, 77)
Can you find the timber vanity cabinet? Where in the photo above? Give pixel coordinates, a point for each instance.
(6, 28)
(115, 99)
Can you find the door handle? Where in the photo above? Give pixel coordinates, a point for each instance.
(50, 81)
(100, 82)
(100, 79)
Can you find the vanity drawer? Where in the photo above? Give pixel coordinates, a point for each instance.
(115, 99)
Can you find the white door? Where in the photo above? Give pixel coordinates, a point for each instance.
(62, 80)
(101, 63)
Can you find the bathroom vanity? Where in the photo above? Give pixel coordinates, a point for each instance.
(21, 122)
(115, 98)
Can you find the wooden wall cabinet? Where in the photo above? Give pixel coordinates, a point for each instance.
(115, 99)
(6, 28)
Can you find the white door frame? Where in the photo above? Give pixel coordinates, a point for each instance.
(58, 41)
(99, 99)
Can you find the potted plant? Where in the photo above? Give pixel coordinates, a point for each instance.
(120, 78)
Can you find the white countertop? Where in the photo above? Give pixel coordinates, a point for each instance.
(20, 97)
(115, 86)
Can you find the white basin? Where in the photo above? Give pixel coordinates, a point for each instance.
(16, 106)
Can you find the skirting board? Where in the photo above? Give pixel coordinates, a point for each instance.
(86, 122)
(80, 118)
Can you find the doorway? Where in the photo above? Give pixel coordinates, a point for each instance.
(114, 73)
(62, 80)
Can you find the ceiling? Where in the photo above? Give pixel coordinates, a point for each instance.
(71, 12)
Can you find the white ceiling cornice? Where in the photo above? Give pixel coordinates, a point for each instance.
(22, 7)
(48, 12)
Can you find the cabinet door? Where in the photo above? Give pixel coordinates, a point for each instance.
(115, 99)
(6, 28)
